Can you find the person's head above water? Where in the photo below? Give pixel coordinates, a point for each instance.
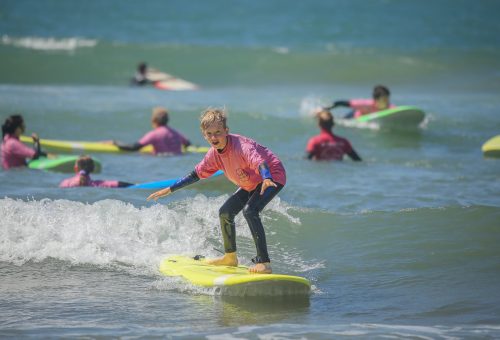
(13, 125)
(84, 165)
(142, 67)
(213, 125)
(381, 96)
(159, 116)
(325, 119)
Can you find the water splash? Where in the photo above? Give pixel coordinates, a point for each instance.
(49, 44)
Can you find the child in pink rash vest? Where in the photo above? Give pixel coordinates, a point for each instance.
(83, 167)
(14, 152)
(379, 102)
(327, 146)
(257, 171)
(164, 139)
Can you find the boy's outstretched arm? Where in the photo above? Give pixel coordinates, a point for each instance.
(181, 183)
(160, 193)
(338, 103)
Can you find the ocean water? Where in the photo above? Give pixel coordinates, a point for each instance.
(401, 245)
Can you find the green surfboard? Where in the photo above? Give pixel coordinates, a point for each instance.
(60, 163)
(399, 116)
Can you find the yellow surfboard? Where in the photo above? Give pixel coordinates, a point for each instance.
(492, 147)
(233, 281)
(93, 147)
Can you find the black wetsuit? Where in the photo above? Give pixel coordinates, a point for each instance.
(252, 203)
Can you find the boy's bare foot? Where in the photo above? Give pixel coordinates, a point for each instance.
(229, 259)
(261, 268)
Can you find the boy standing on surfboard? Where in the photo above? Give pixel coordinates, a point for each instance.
(259, 174)
(379, 102)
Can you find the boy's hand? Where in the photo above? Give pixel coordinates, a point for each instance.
(266, 184)
(159, 193)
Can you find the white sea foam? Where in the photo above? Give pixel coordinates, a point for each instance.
(281, 50)
(310, 105)
(356, 124)
(48, 44)
(116, 233)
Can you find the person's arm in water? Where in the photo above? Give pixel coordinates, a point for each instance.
(310, 155)
(191, 178)
(128, 147)
(37, 147)
(354, 155)
(337, 103)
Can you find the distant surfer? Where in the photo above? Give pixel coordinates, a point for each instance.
(84, 166)
(380, 101)
(259, 174)
(15, 153)
(140, 77)
(164, 139)
(328, 146)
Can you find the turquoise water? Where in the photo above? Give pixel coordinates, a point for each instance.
(404, 244)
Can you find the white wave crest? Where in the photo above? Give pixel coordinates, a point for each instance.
(48, 44)
(116, 233)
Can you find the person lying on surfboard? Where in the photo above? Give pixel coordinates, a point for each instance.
(140, 77)
(15, 153)
(326, 146)
(259, 174)
(165, 140)
(84, 166)
(379, 102)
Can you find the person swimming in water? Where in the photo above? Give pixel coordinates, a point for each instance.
(327, 145)
(84, 166)
(165, 139)
(14, 152)
(257, 171)
(140, 77)
(380, 101)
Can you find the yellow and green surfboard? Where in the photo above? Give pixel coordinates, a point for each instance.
(233, 281)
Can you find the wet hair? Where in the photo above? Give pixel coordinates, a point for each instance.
(160, 115)
(85, 165)
(11, 124)
(213, 115)
(142, 67)
(325, 119)
(380, 91)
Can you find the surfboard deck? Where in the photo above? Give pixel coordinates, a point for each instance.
(99, 147)
(400, 116)
(233, 281)
(165, 81)
(491, 148)
(165, 183)
(60, 163)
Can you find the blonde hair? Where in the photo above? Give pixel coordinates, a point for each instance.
(211, 116)
(160, 115)
(325, 119)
